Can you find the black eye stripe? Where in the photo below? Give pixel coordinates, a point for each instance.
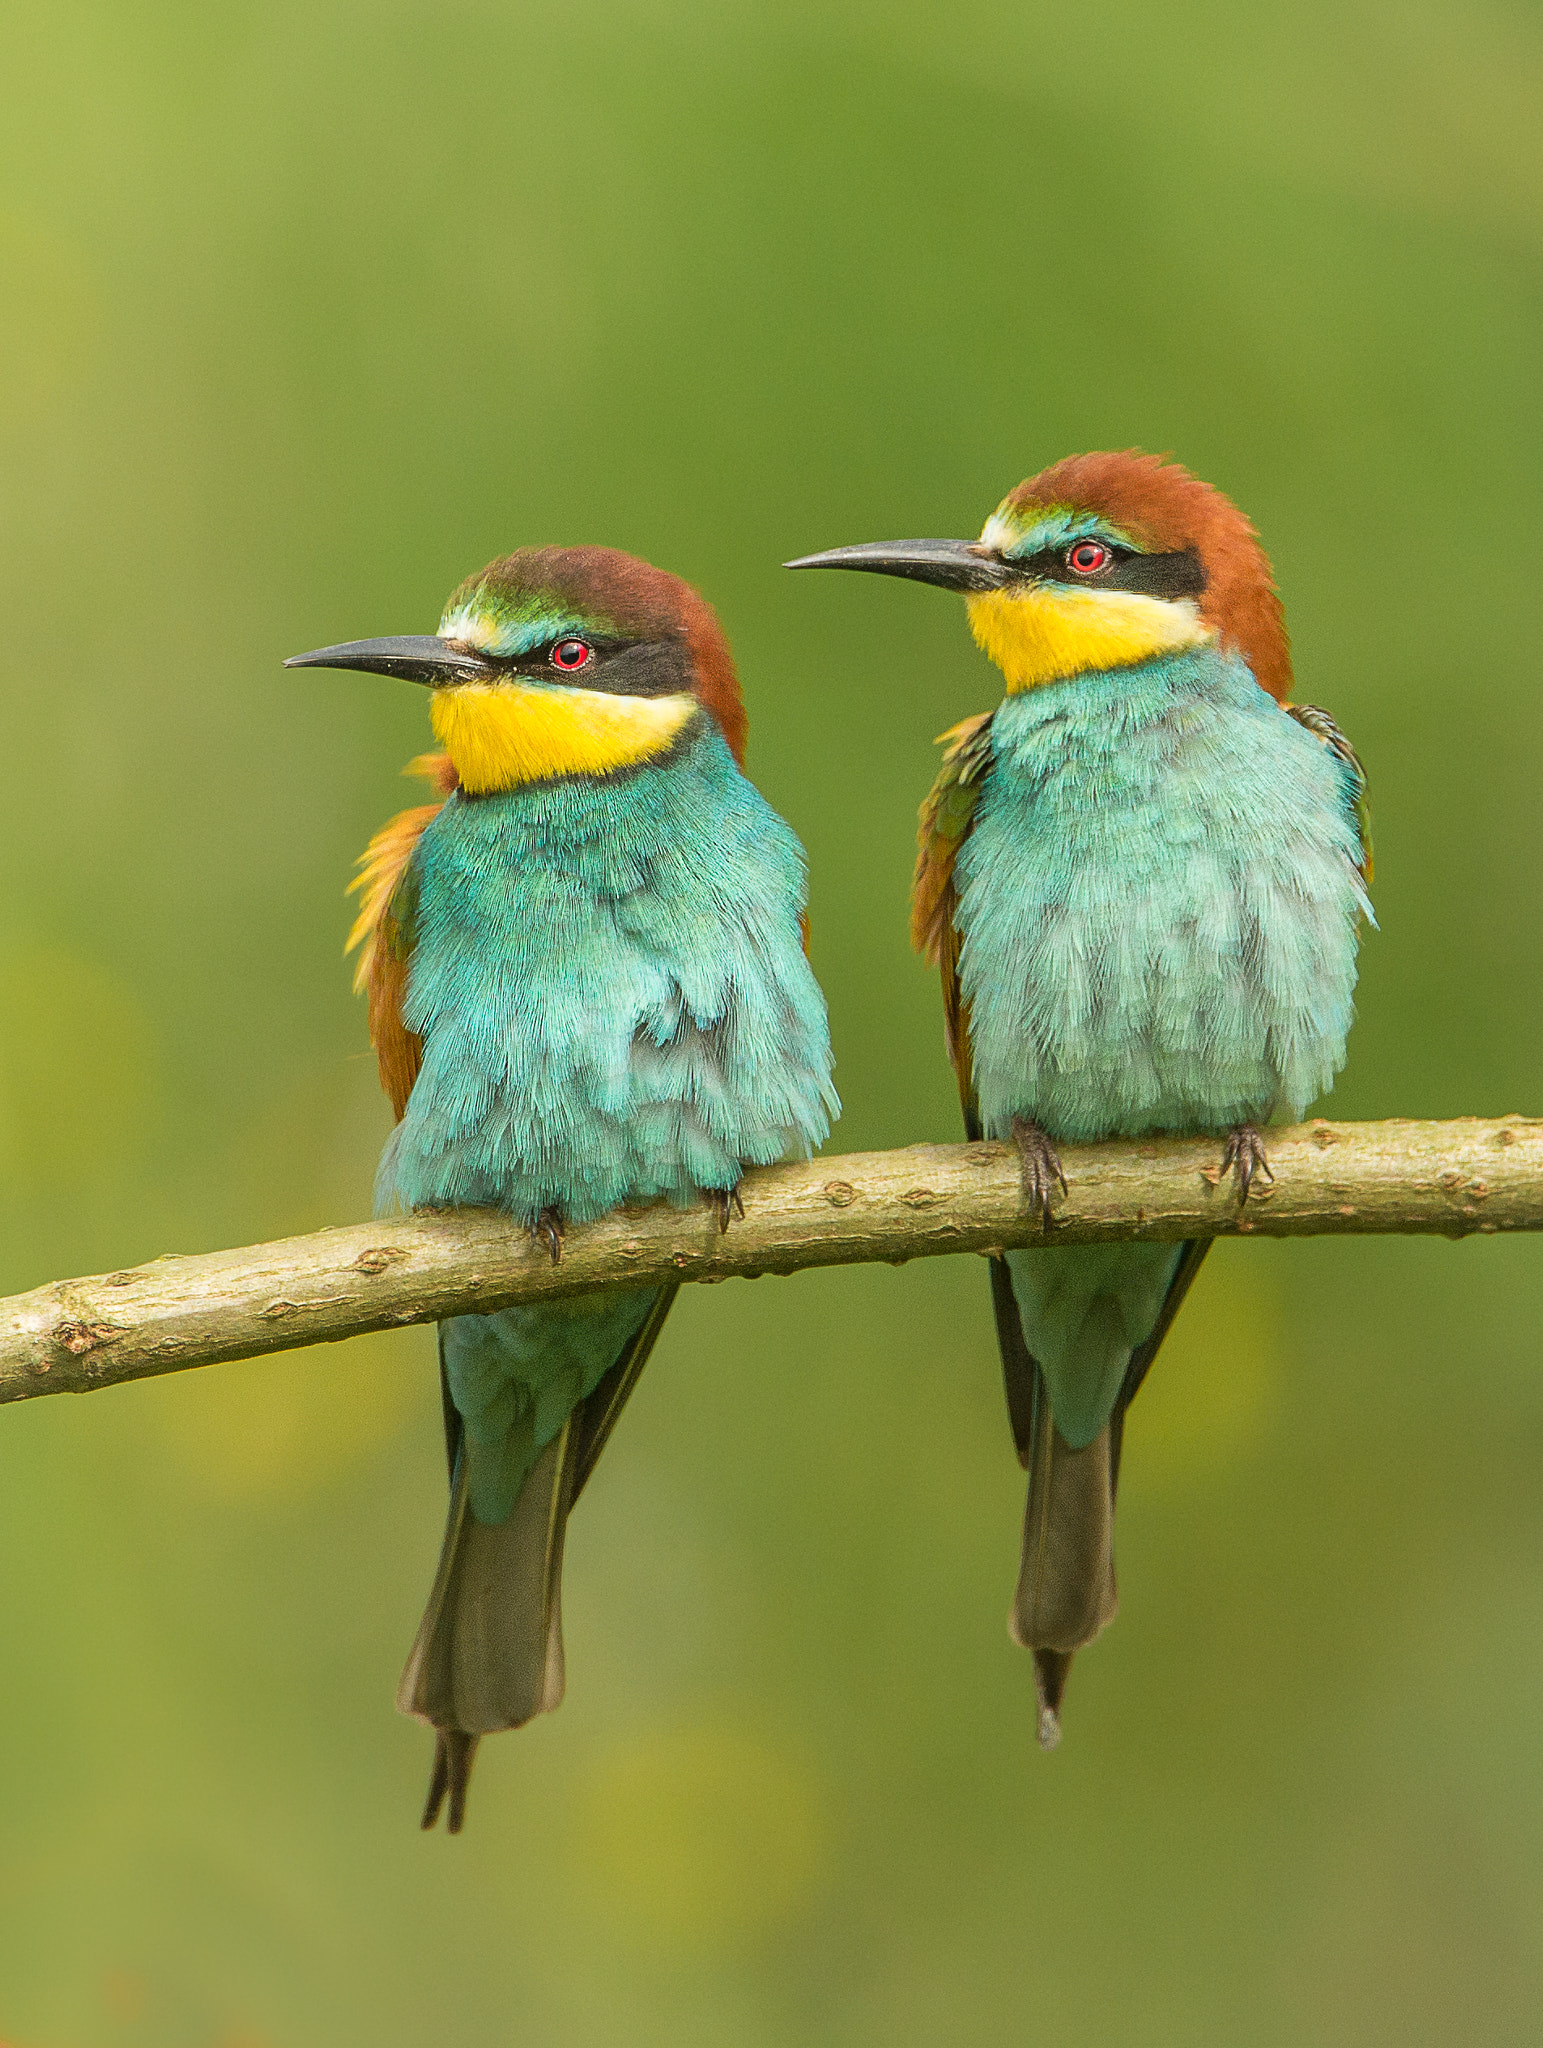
(539, 660)
(1169, 576)
(623, 668)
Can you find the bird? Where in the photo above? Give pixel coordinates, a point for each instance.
(588, 986)
(1143, 879)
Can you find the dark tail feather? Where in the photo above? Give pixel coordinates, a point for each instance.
(1020, 1375)
(1066, 1591)
(596, 1417)
(1066, 1587)
(1052, 1668)
(489, 1652)
(1191, 1259)
(454, 1754)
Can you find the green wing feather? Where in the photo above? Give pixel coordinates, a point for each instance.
(946, 819)
(596, 1416)
(1319, 723)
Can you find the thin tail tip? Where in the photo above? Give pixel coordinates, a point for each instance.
(1051, 1669)
(454, 1751)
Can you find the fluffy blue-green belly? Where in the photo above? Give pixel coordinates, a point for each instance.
(609, 980)
(1158, 907)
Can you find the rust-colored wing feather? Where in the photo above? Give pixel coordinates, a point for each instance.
(946, 818)
(383, 931)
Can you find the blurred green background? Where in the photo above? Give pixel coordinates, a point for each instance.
(307, 310)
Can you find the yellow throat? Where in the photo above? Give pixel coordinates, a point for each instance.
(1043, 633)
(500, 735)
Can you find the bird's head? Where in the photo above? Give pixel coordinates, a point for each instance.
(562, 661)
(1099, 562)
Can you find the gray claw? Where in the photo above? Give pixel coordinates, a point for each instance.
(1245, 1151)
(1039, 1167)
(547, 1229)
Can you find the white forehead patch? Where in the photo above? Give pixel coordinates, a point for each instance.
(471, 629)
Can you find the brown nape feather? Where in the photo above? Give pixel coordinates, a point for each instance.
(639, 600)
(717, 684)
(1164, 508)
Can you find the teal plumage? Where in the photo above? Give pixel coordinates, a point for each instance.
(611, 990)
(588, 987)
(1158, 905)
(1158, 909)
(1143, 877)
(517, 1376)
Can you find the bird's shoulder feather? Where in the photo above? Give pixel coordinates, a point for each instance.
(383, 930)
(1322, 726)
(947, 816)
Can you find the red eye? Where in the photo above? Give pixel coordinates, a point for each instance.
(1087, 558)
(571, 654)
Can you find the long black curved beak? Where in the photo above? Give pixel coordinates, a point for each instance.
(951, 564)
(419, 658)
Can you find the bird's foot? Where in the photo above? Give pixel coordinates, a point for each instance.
(727, 1203)
(1245, 1151)
(1039, 1168)
(547, 1229)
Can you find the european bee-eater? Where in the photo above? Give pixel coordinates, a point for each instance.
(587, 986)
(1142, 877)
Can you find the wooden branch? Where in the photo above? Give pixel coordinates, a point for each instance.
(1473, 1175)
